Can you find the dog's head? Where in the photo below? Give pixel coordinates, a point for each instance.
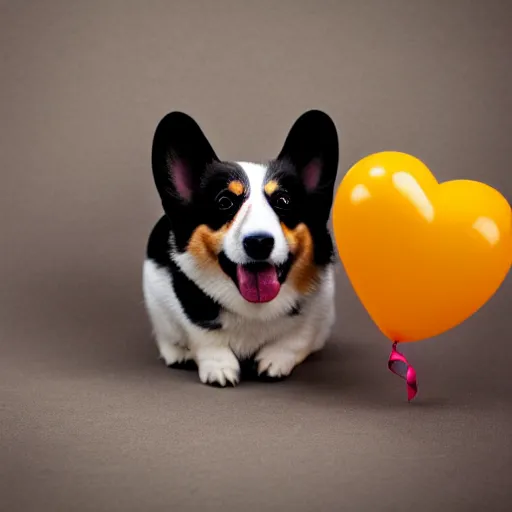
(255, 226)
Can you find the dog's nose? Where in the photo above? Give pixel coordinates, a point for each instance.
(259, 245)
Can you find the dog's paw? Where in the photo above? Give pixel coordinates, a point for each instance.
(275, 363)
(175, 356)
(221, 370)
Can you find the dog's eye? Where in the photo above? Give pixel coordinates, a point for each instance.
(224, 202)
(281, 201)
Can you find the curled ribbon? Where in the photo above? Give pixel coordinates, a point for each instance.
(399, 365)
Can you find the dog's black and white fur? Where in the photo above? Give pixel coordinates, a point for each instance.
(240, 266)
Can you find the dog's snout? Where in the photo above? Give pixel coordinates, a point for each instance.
(259, 245)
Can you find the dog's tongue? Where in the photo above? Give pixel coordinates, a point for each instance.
(258, 284)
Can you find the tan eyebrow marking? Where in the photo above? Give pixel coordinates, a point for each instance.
(236, 187)
(271, 187)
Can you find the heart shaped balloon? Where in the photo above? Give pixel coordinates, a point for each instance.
(421, 256)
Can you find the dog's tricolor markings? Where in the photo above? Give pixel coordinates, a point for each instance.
(240, 265)
(202, 310)
(304, 272)
(205, 244)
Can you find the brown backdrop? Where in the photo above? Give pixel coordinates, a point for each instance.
(90, 420)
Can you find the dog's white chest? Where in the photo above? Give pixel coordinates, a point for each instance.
(246, 336)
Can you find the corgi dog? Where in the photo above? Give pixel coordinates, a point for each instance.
(239, 269)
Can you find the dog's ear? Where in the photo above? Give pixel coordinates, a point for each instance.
(180, 155)
(312, 148)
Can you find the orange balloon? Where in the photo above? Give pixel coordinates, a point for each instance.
(421, 256)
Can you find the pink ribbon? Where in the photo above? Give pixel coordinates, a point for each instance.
(399, 365)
